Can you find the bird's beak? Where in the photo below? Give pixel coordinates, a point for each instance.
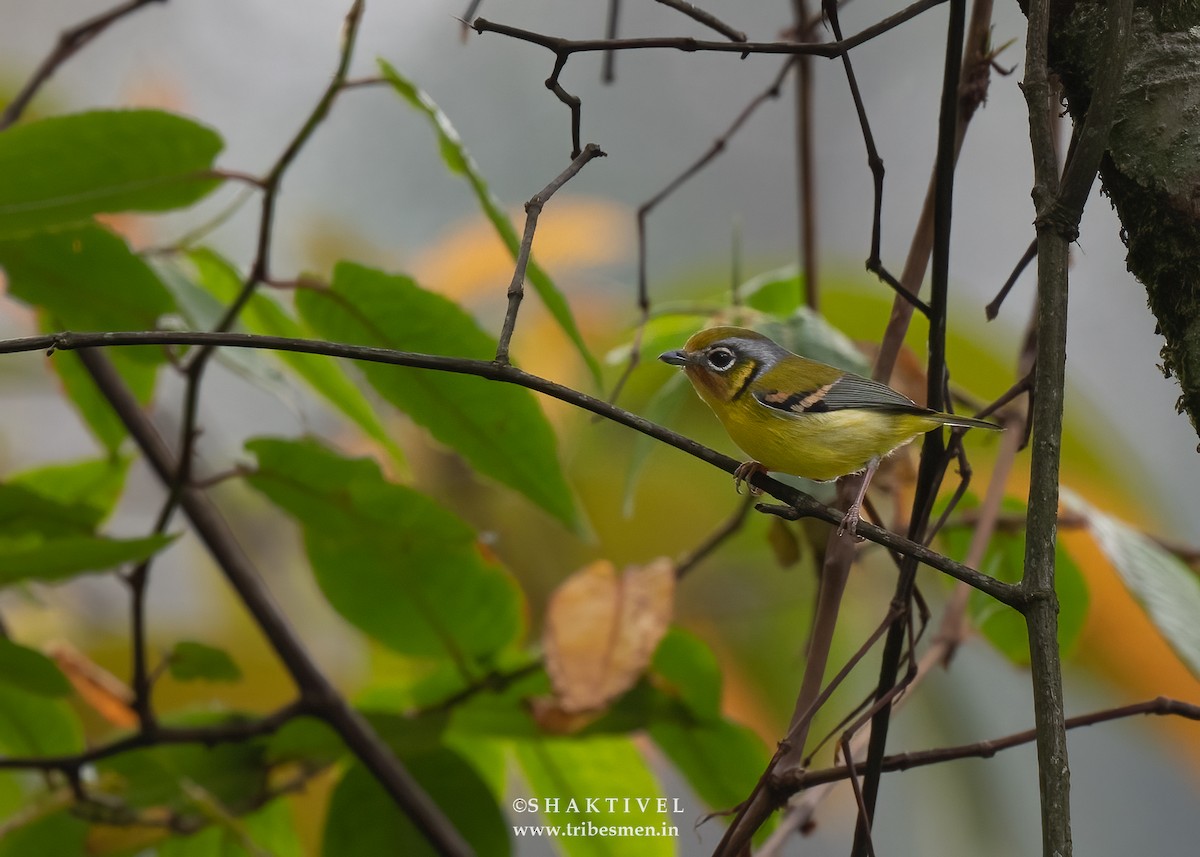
(675, 358)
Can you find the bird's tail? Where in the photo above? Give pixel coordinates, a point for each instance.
(965, 422)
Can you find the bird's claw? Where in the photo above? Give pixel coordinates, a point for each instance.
(850, 525)
(744, 473)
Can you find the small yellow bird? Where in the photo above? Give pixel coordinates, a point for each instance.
(795, 415)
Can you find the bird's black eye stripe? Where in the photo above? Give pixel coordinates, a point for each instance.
(721, 358)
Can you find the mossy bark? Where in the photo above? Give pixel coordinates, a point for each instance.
(1151, 171)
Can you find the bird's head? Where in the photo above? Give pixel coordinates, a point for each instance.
(722, 361)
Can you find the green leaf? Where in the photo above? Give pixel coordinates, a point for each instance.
(394, 563)
(722, 761)
(305, 739)
(232, 774)
(63, 557)
(1162, 583)
(1004, 559)
(264, 315)
(88, 279)
(64, 169)
(683, 666)
(808, 333)
(92, 486)
(576, 769)
(270, 830)
(30, 670)
(498, 428)
(32, 724)
(60, 834)
(662, 408)
(776, 293)
(190, 661)
(460, 162)
(364, 822)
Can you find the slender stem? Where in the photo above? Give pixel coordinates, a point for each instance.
(69, 43)
(933, 461)
(706, 18)
(796, 781)
(533, 209)
(806, 179)
(565, 47)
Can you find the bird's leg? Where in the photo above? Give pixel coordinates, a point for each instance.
(850, 522)
(744, 473)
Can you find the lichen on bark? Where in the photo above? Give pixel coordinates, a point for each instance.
(1151, 171)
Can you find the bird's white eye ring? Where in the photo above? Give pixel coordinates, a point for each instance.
(721, 358)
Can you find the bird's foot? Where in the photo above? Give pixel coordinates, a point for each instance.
(850, 523)
(746, 471)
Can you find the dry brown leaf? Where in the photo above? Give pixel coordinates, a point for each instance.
(103, 692)
(601, 631)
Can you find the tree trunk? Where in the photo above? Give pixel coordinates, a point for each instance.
(1151, 171)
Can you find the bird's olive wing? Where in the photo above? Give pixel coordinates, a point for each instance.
(848, 391)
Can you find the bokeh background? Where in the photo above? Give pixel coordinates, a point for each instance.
(371, 186)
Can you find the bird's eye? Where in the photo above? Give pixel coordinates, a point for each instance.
(721, 358)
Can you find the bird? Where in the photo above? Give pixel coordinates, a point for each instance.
(798, 416)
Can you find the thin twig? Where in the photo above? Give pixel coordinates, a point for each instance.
(933, 463)
(715, 539)
(566, 47)
(993, 309)
(533, 209)
(69, 43)
(608, 73)
(806, 176)
(233, 731)
(1160, 706)
(468, 16)
(706, 18)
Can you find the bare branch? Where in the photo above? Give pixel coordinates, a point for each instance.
(69, 43)
(533, 209)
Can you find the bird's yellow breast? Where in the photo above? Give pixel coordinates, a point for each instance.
(819, 446)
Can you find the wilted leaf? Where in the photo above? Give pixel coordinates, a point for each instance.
(64, 169)
(460, 162)
(601, 631)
